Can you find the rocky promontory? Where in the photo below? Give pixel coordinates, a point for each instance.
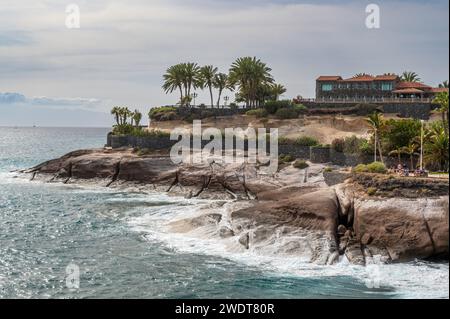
(294, 210)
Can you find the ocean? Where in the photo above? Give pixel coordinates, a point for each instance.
(118, 243)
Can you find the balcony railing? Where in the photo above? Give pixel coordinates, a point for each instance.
(369, 100)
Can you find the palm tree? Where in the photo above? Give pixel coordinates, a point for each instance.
(137, 117)
(357, 75)
(442, 100)
(207, 77)
(436, 147)
(191, 78)
(444, 85)
(410, 77)
(115, 111)
(221, 83)
(376, 123)
(249, 74)
(173, 80)
(410, 150)
(278, 90)
(397, 152)
(124, 114)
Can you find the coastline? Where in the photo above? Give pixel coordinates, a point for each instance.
(339, 221)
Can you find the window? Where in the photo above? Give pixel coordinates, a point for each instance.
(327, 87)
(386, 86)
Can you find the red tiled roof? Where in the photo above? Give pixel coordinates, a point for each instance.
(408, 91)
(413, 85)
(329, 78)
(362, 78)
(439, 90)
(386, 77)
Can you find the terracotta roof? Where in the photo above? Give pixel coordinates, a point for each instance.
(413, 85)
(386, 77)
(439, 90)
(408, 91)
(329, 78)
(363, 78)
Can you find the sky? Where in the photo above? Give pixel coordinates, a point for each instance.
(51, 75)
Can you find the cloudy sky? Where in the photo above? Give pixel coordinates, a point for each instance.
(54, 76)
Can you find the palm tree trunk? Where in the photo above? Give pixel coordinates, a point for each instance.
(211, 94)
(218, 100)
(380, 151)
(181, 93)
(412, 161)
(445, 123)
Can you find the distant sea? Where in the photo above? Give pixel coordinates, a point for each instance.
(122, 250)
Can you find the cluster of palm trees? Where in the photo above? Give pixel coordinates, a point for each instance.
(249, 75)
(434, 140)
(123, 114)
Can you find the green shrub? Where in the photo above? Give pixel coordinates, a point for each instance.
(371, 191)
(300, 164)
(338, 145)
(286, 114)
(286, 158)
(273, 106)
(259, 113)
(328, 169)
(361, 168)
(306, 141)
(164, 113)
(300, 108)
(377, 167)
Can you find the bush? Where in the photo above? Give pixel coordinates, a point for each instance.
(300, 108)
(328, 169)
(371, 191)
(306, 141)
(164, 113)
(286, 114)
(273, 106)
(286, 158)
(377, 167)
(300, 164)
(259, 113)
(338, 145)
(361, 168)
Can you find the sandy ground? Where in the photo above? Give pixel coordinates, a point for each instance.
(323, 128)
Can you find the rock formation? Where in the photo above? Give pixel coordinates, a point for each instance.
(402, 221)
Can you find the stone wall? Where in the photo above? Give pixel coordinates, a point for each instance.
(405, 110)
(314, 154)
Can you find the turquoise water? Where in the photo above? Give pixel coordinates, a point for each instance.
(122, 250)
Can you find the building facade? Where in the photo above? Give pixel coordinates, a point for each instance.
(371, 88)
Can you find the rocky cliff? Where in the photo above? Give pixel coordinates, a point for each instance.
(293, 210)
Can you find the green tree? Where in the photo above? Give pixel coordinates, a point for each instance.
(116, 113)
(137, 117)
(411, 151)
(278, 90)
(249, 74)
(207, 76)
(410, 77)
(400, 133)
(221, 82)
(436, 147)
(444, 85)
(442, 100)
(174, 80)
(191, 78)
